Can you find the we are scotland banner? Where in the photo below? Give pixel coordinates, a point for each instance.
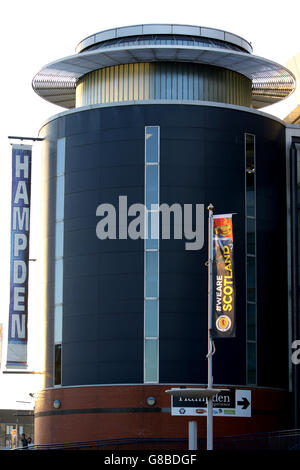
(20, 227)
(223, 321)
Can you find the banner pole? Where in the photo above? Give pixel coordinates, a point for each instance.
(209, 329)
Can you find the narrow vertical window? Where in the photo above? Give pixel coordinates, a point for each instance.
(250, 223)
(59, 253)
(57, 364)
(151, 256)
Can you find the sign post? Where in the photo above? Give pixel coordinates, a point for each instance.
(191, 394)
(220, 250)
(193, 435)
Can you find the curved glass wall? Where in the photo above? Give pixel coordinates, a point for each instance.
(166, 39)
(163, 80)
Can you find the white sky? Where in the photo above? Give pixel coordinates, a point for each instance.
(34, 33)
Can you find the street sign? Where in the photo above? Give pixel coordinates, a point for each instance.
(229, 402)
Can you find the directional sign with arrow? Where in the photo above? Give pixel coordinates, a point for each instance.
(230, 402)
(243, 402)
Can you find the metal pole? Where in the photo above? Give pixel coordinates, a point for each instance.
(209, 326)
(192, 435)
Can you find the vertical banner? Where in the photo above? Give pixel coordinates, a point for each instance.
(223, 322)
(1, 335)
(20, 224)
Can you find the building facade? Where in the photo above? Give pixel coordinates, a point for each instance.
(163, 115)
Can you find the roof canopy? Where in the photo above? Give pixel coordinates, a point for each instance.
(56, 82)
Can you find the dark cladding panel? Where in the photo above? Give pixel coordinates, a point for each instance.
(201, 161)
(272, 281)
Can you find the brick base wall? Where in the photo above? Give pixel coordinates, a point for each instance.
(118, 412)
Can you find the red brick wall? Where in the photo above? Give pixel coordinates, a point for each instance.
(67, 424)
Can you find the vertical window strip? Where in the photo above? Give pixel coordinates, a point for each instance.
(59, 251)
(151, 256)
(251, 293)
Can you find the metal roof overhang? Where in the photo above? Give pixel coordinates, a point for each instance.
(160, 30)
(56, 82)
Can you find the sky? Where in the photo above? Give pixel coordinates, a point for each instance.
(34, 33)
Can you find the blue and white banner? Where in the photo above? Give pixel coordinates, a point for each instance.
(20, 225)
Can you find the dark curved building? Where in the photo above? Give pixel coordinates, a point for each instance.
(163, 114)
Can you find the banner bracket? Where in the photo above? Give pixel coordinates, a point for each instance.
(25, 138)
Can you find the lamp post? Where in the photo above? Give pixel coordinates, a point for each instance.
(208, 392)
(210, 344)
